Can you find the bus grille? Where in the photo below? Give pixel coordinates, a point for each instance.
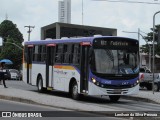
(118, 86)
(117, 91)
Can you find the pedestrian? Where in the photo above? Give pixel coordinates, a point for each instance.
(2, 72)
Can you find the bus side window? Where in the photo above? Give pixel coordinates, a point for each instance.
(39, 52)
(71, 53)
(43, 53)
(67, 53)
(76, 54)
(35, 53)
(59, 53)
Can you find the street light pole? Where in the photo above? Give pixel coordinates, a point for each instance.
(1, 40)
(82, 12)
(14, 45)
(139, 35)
(153, 64)
(150, 56)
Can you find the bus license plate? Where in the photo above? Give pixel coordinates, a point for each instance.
(117, 91)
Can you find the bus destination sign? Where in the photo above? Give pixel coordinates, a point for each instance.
(110, 42)
(114, 43)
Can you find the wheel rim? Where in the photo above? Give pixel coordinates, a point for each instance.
(75, 90)
(155, 87)
(40, 84)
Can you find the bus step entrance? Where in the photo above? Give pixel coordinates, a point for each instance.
(50, 88)
(84, 92)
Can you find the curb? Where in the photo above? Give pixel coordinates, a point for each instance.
(139, 99)
(17, 99)
(99, 113)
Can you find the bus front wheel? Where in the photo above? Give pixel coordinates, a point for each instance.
(114, 98)
(74, 93)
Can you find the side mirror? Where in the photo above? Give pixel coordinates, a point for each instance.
(147, 71)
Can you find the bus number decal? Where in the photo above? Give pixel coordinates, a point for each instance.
(60, 72)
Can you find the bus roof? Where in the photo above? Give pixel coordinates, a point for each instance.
(70, 40)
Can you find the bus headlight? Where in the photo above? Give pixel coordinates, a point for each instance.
(93, 80)
(137, 82)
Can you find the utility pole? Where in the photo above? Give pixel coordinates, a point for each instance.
(6, 17)
(29, 31)
(153, 62)
(82, 12)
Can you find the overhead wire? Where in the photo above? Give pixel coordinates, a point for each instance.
(127, 1)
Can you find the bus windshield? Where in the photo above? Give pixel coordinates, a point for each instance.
(106, 61)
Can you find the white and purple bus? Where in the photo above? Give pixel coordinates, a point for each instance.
(95, 66)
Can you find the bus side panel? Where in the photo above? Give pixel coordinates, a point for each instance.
(72, 74)
(58, 79)
(24, 72)
(63, 75)
(38, 69)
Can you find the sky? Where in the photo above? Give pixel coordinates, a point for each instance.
(122, 16)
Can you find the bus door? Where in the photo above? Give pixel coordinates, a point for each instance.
(84, 69)
(49, 65)
(29, 63)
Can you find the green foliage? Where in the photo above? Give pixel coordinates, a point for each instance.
(149, 38)
(144, 48)
(8, 29)
(11, 35)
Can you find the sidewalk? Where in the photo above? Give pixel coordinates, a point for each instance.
(45, 99)
(60, 102)
(145, 95)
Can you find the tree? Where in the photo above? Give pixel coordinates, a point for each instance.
(8, 29)
(13, 53)
(11, 35)
(149, 38)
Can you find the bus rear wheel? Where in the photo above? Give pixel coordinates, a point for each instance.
(74, 93)
(114, 98)
(40, 84)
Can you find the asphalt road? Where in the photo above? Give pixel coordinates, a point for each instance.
(123, 104)
(22, 111)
